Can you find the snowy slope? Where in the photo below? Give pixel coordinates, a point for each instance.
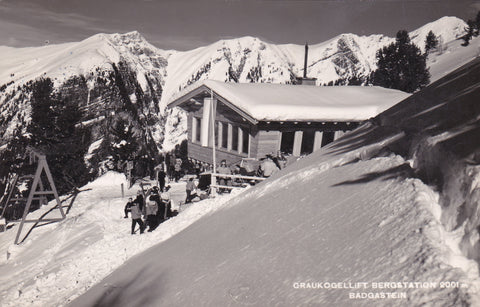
(446, 29)
(443, 62)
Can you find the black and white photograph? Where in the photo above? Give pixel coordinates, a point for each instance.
(239, 153)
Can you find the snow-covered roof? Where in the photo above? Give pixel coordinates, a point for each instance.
(283, 102)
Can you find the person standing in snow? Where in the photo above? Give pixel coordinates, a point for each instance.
(190, 191)
(160, 174)
(164, 205)
(268, 167)
(177, 169)
(139, 199)
(128, 207)
(223, 169)
(136, 214)
(151, 208)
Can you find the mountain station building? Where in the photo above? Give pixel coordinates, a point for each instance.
(251, 120)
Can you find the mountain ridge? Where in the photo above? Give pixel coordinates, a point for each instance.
(156, 75)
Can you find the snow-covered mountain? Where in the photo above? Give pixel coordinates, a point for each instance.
(147, 77)
(446, 29)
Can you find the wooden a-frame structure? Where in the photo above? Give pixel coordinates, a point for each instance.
(42, 167)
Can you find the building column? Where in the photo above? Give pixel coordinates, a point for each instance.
(240, 140)
(297, 143)
(317, 141)
(230, 136)
(207, 107)
(194, 129)
(219, 135)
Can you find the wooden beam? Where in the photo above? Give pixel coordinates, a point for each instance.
(43, 192)
(41, 167)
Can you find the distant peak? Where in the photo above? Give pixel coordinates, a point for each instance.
(242, 40)
(133, 34)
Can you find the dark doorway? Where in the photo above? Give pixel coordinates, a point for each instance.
(328, 137)
(235, 138)
(286, 146)
(307, 142)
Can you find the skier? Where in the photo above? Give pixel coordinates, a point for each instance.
(128, 207)
(136, 214)
(151, 211)
(163, 209)
(139, 199)
(178, 169)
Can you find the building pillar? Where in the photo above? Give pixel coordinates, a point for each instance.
(297, 143)
(317, 141)
(207, 107)
(194, 129)
(240, 140)
(230, 136)
(219, 135)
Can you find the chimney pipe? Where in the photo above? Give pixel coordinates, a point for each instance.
(306, 60)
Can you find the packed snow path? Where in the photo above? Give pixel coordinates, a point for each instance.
(58, 262)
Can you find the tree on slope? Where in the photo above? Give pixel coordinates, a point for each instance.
(54, 131)
(431, 42)
(401, 65)
(472, 30)
(123, 136)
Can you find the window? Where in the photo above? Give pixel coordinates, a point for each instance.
(307, 142)
(224, 135)
(245, 140)
(286, 146)
(235, 138)
(328, 137)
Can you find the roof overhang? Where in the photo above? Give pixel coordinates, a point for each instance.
(204, 91)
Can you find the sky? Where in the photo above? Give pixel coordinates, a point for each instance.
(187, 24)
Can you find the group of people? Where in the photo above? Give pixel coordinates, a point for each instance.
(155, 208)
(268, 166)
